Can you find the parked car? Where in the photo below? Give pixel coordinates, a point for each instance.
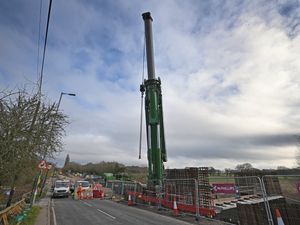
(61, 188)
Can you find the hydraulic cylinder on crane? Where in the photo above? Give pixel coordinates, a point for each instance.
(154, 113)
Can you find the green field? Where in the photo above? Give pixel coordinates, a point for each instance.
(221, 179)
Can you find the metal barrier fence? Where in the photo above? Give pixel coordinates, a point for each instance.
(255, 200)
(288, 187)
(187, 193)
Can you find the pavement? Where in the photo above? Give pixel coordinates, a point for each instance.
(44, 215)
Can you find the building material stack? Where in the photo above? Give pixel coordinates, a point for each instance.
(272, 186)
(205, 191)
(183, 182)
(255, 214)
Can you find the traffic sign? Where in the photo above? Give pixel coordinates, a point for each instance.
(42, 164)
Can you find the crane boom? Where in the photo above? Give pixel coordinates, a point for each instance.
(154, 112)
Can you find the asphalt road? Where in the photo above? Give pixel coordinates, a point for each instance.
(97, 212)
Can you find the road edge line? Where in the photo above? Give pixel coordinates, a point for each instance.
(87, 204)
(48, 212)
(54, 217)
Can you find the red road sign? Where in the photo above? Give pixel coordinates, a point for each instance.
(42, 164)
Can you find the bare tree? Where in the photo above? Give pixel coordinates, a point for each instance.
(244, 167)
(29, 130)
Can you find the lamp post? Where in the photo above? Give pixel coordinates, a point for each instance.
(60, 97)
(40, 173)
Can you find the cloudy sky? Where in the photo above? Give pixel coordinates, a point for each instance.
(230, 74)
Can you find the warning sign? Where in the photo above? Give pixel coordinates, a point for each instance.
(42, 164)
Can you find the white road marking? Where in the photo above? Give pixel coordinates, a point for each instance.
(107, 214)
(54, 217)
(87, 204)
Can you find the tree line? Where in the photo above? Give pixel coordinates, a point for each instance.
(102, 167)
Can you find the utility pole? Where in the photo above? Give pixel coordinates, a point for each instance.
(38, 177)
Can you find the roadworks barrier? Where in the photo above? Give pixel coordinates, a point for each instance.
(81, 193)
(98, 191)
(90, 193)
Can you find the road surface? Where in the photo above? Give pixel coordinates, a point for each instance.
(96, 212)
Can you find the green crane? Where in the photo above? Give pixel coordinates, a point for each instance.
(154, 113)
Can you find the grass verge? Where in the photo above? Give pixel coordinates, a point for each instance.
(31, 216)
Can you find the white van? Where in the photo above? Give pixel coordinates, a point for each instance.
(61, 188)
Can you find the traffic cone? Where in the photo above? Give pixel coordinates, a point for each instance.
(279, 218)
(129, 200)
(175, 209)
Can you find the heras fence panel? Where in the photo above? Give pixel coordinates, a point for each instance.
(288, 188)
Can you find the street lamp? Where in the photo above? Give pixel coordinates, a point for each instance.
(60, 97)
(45, 178)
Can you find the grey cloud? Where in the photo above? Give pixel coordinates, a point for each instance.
(239, 147)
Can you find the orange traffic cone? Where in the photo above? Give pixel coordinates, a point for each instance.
(279, 218)
(129, 200)
(175, 209)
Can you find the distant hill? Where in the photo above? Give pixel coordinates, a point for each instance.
(135, 172)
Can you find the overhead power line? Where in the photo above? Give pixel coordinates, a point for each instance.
(45, 45)
(39, 40)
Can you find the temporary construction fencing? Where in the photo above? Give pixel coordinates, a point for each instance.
(289, 190)
(186, 193)
(256, 199)
(241, 199)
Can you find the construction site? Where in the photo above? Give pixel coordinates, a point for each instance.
(190, 195)
(248, 198)
(241, 200)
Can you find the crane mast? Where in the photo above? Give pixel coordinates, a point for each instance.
(154, 113)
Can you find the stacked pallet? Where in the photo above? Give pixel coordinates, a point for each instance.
(255, 213)
(272, 186)
(205, 190)
(184, 183)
